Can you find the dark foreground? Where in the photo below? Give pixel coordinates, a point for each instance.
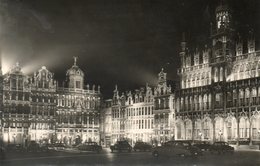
(239, 158)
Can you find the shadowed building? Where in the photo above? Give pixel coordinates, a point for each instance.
(1, 106)
(219, 93)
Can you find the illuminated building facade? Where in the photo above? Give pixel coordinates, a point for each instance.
(139, 115)
(43, 106)
(219, 93)
(145, 115)
(164, 118)
(34, 108)
(78, 109)
(105, 122)
(16, 106)
(118, 117)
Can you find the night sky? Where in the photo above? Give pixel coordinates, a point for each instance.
(124, 42)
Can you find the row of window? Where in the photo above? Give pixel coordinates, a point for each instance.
(13, 95)
(15, 124)
(196, 83)
(139, 124)
(75, 130)
(139, 111)
(78, 119)
(93, 104)
(46, 99)
(17, 109)
(162, 103)
(42, 126)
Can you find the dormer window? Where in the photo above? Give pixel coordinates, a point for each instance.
(78, 84)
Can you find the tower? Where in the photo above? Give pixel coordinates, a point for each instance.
(222, 43)
(239, 46)
(251, 42)
(115, 96)
(75, 76)
(183, 50)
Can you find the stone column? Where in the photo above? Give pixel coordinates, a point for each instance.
(214, 132)
(238, 137)
(224, 130)
(192, 129)
(250, 131)
(249, 116)
(184, 130)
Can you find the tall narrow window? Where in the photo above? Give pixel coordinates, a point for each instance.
(77, 84)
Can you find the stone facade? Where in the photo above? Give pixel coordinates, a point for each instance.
(146, 114)
(164, 119)
(105, 123)
(35, 108)
(219, 93)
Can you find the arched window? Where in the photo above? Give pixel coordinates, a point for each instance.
(254, 96)
(241, 96)
(205, 101)
(221, 74)
(244, 128)
(216, 75)
(247, 95)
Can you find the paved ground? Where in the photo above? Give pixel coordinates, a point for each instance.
(239, 158)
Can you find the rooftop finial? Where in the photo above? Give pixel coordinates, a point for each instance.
(75, 60)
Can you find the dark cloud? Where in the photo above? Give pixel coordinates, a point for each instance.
(117, 42)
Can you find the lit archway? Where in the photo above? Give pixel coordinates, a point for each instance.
(188, 129)
(244, 128)
(231, 128)
(219, 128)
(207, 128)
(256, 127)
(179, 129)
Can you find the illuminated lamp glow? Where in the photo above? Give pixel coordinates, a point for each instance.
(5, 135)
(6, 64)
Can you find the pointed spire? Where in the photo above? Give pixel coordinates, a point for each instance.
(75, 60)
(147, 85)
(98, 88)
(183, 42)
